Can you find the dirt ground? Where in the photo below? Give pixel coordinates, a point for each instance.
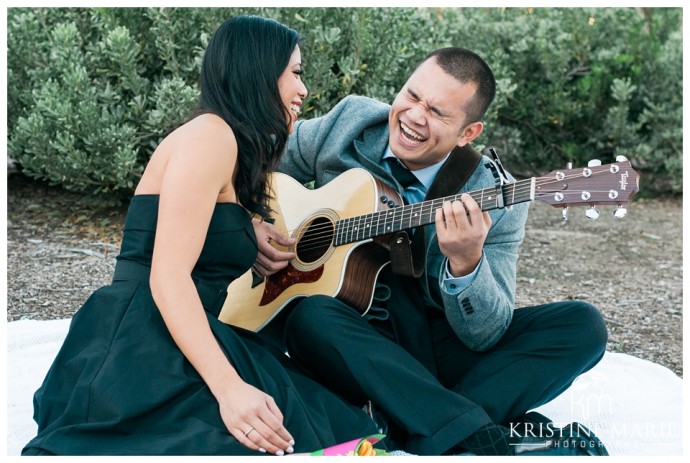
(60, 248)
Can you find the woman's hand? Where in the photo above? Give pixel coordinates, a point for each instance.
(253, 417)
(269, 259)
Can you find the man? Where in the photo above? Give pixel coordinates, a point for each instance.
(445, 357)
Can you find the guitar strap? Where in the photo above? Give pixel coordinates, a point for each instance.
(408, 257)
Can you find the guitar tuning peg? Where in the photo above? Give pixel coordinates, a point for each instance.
(564, 214)
(592, 213)
(620, 212)
(621, 158)
(594, 163)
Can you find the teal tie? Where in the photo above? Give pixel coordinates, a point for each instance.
(401, 173)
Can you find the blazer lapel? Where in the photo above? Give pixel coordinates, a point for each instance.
(371, 147)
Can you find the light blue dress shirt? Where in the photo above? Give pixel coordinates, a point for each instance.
(415, 194)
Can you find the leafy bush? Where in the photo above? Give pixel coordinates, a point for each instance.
(93, 91)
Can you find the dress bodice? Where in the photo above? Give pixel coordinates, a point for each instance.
(229, 249)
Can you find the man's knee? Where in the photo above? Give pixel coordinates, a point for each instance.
(308, 312)
(592, 334)
(313, 319)
(592, 321)
(576, 325)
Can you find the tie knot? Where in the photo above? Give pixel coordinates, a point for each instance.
(401, 173)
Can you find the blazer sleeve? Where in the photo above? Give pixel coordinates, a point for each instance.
(304, 144)
(324, 142)
(482, 312)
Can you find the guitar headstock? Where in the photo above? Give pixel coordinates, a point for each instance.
(595, 184)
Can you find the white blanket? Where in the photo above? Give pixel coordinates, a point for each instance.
(633, 405)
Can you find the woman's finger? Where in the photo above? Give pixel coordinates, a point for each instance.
(244, 438)
(266, 438)
(275, 421)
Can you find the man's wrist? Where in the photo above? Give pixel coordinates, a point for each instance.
(455, 285)
(459, 269)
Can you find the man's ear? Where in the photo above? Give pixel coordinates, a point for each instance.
(470, 132)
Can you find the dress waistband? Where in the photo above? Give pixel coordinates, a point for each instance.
(211, 298)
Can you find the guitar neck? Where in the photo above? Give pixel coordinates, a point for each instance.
(414, 215)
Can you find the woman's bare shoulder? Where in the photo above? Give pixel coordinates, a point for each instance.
(206, 133)
(205, 125)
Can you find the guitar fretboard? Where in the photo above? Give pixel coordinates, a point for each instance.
(399, 218)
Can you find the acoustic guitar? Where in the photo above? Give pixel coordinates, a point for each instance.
(342, 231)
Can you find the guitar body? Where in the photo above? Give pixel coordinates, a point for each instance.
(347, 271)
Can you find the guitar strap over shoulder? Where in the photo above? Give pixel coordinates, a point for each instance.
(408, 257)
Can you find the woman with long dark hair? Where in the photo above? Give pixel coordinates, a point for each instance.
(147, 367)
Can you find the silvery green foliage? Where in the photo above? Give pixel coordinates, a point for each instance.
(97, 89)
(93, 91)
(78, 130)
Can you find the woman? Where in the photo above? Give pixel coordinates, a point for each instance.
(146, 367)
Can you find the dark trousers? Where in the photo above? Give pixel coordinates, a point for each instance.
(434, 390)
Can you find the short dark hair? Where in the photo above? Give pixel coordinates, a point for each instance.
(239, 82)
(468, 67)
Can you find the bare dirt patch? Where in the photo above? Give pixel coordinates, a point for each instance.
(631, 269)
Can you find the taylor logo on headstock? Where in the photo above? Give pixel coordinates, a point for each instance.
(595, 184)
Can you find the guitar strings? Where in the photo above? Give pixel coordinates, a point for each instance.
(322, 235)
(407, 213)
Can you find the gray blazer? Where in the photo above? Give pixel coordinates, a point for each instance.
(355, 134)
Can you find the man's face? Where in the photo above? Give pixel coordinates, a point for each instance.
(427, 118)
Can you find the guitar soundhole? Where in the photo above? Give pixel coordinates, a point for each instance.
(316, 240)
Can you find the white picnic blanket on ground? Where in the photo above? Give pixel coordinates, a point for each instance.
(633, 405)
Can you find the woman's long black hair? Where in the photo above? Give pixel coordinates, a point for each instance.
(239, 82)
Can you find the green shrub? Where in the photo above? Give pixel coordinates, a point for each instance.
(97, 89)
(93, 91)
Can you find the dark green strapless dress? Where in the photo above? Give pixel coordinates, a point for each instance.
(120, 385)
